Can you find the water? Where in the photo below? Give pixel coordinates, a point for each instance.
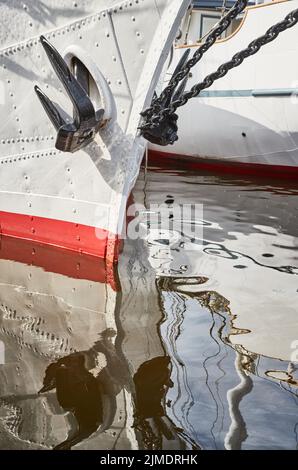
(192, 343)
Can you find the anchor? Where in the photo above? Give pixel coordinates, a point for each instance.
(71, 136)
(163, 134)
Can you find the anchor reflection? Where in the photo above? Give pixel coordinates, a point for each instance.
(77, 391)
(80, 386)
(152, 381)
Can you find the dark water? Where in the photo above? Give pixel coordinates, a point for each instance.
(192, 343)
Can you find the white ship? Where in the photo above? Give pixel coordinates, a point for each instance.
(66, 182)
(246, 121)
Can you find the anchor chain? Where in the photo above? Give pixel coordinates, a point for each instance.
(179, 75)
(156, 122)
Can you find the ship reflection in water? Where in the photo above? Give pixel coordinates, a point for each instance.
(191, 344)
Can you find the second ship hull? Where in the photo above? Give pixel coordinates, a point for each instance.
(247, 121)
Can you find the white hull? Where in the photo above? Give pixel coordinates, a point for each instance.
(78, 201)
(249, 116)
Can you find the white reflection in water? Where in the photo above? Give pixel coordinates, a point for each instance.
(197, 347)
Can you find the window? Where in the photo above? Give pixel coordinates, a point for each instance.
(207, 22)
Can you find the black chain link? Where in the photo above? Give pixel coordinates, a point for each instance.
(154, 120)
(222, 26)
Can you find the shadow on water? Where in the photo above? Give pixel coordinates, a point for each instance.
(190, 351)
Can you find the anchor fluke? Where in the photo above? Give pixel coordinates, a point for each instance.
(50, 109)
(180, 90)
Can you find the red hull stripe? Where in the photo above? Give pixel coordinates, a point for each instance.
(169, 160)
(68, 235)
(58, 260)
